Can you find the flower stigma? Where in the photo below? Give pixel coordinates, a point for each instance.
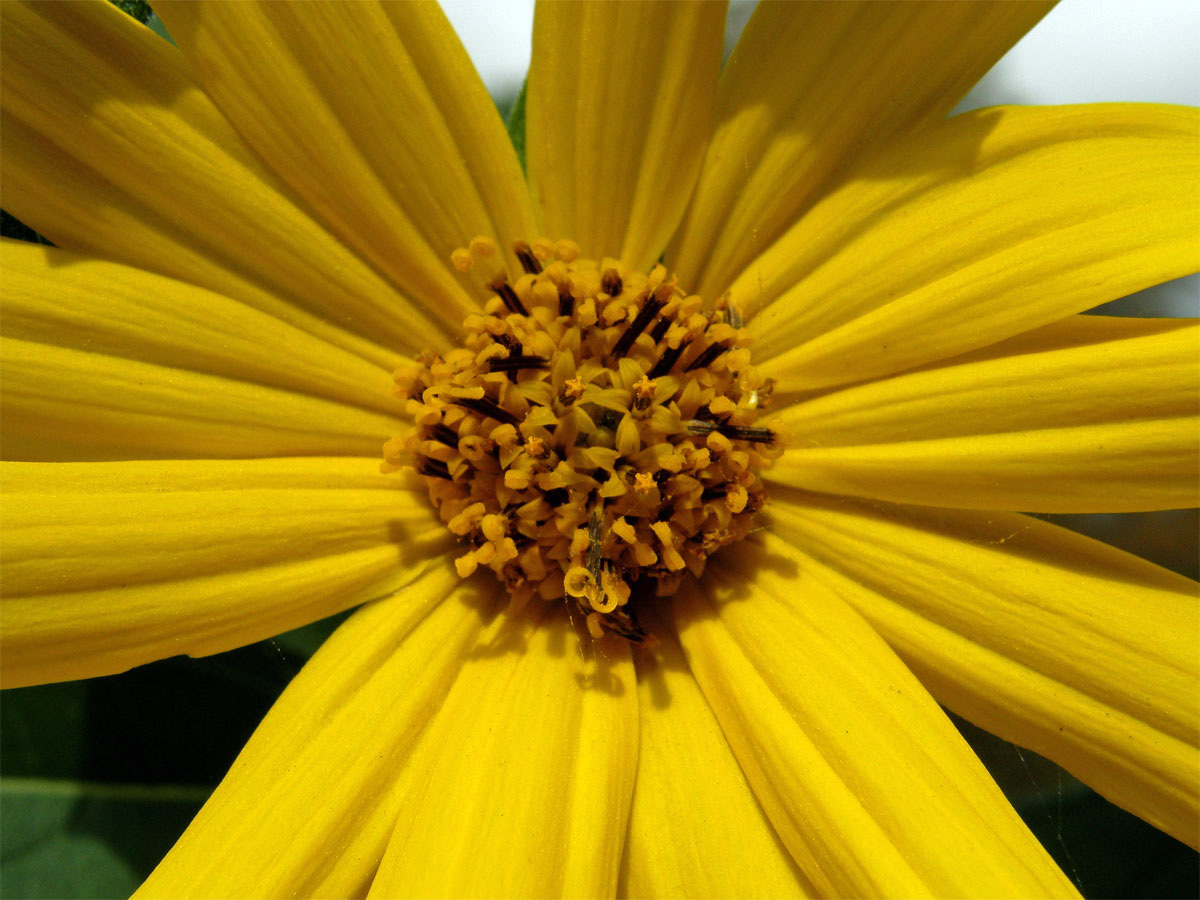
(594, 436)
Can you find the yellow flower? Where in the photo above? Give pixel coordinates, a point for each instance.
(256, 229)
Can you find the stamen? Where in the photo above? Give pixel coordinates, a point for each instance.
(611, 282)
(573, 457)
(660, 329)
(511, 301)
(566, 301)
(709, 354)
(667, 361)
(637, 326)
(529, 262)
(443, 434)
(513, 363)
(742, 433)
(486, 407)
(435, 468)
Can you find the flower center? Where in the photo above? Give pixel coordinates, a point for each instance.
(594, 436)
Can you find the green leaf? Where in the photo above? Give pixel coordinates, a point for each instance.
(138, 9)
(76, 839)
(516, 124)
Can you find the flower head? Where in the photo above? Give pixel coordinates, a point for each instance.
(198, 379)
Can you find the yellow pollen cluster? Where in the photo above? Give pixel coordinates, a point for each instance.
(593, 436)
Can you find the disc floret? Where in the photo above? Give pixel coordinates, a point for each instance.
(596, 434)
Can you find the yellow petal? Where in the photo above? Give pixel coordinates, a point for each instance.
(111, 565)
(327, 757)
(1089, 415)
(864, 778)
(110, 148)
(811, 86)
(56, 297)
(1051, 640)
(60, 403)
(990, 224)
(521, 786)
(695, 829)
(619, 112)
(401, 150)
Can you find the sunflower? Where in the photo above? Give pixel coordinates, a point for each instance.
(788, 302)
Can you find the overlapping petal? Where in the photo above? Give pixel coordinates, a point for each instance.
(695, 829)
(328, 757)
(620, 106)
(862, 775)
(65, 299)
(131, 161)
(1092, 414)
(1049, 639)
(993, 223)
(58, 403)
(111, 565)
(521, 786)
(809, 88)
(396, 145)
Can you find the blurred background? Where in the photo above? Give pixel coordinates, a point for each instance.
(100, 777)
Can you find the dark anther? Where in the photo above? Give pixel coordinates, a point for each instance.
(610, 282)
(556, 496)
(513, 363)
(660, 328)
(433, 467)
(702, 427)
(714, 493)
(595, 536)
(511, 301)
(566, 301)
(710, 353)
(637, 326)
(486, 407)
(667, 361)
(514, 349)
(529, 262)
(444, 434)
(746, 433)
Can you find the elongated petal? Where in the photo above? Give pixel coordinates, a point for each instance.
(1051, 640)
(60, 403)
(400, 150)
(1088, 415)
(328, 757)
(809, 88)
(619, 111)
(110, 148)
(695, 829)
(522, 785)
(988, 225)
(111, 565)
(56, 297)
(862, 775)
